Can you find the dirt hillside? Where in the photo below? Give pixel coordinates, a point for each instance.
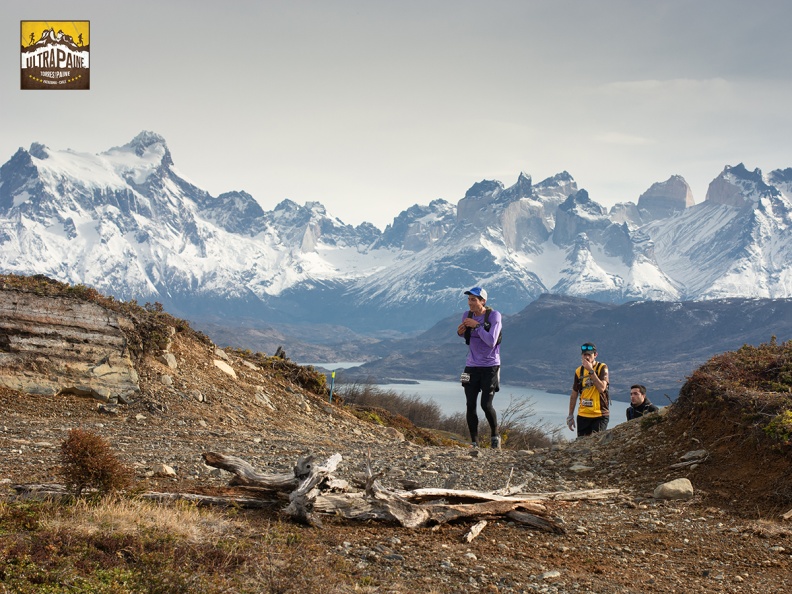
(729, 537)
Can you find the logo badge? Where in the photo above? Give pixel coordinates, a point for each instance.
(56, 55)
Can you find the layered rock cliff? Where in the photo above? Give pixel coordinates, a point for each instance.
(61, 344)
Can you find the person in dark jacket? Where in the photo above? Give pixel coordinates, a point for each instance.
(639, 403)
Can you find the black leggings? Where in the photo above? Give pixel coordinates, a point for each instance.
(484, 380)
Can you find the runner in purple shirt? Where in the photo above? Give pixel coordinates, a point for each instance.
(481, 328)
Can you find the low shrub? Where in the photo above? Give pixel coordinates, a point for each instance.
(780, 427)
(88, 462)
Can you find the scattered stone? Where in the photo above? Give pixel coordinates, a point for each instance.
(676, 489)
(580, 468)
(695, 455)
(169, 359)
(164, 470)
(225, 368)
(394, 433)
(548, 575)
(166, 380)
(262, 398)
(221, 354)
(107, 409)
(124, 399)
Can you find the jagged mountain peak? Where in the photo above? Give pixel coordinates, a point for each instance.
(582, 202)
(236, 211)
(780, 175)
(558, 178)
(419, 226)
(289, 210)
(312, 227)
(555, 189)
(739, 187)
(145, 139)
(741, 171)
(147, 145)
(664, 199)
(316, 207)
(486, 188)
(521, 189)
(579, 214)
(38, 150)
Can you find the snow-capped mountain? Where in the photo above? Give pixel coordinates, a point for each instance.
(127, 222)
(736, 243)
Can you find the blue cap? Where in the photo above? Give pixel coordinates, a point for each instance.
(477, 292)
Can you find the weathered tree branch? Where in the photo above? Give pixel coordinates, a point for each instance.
(245, 474)
(244, 502)
(301, 500)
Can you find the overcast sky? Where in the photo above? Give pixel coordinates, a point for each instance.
(372, 106)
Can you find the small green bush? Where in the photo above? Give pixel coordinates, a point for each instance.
(89, 462)
(780, 427)
(649, 421)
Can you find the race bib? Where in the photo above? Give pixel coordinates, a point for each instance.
(587, 402)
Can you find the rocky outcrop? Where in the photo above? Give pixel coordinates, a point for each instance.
(738, 187)
(665, 199)
(60, 344)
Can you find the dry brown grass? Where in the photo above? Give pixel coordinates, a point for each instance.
(135, 516)
(126, 546)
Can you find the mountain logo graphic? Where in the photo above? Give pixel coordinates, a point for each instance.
(55, 55)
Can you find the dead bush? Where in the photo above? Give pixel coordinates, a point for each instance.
(87, 461)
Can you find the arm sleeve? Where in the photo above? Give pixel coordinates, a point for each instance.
(491, 337)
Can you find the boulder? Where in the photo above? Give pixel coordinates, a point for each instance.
(677, 489)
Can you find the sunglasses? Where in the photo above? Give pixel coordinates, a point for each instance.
(586, 347)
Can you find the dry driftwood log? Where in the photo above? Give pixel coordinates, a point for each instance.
(245, 474)
(301, 500)
(415, 508)
(312, 489)
(245, 502)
